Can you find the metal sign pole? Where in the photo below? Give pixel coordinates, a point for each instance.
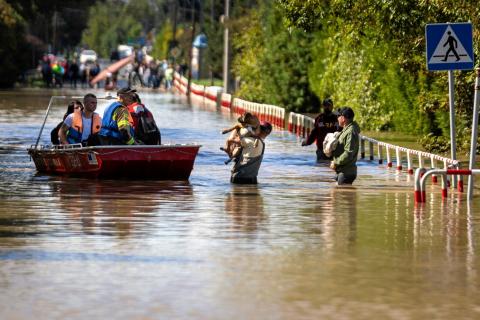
(473, 143)
(451, 98)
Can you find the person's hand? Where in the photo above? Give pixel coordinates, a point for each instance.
(332, 165)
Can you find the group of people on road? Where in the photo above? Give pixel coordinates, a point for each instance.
(344, 156)
(125, 122)
(249, 135)
(56, 71)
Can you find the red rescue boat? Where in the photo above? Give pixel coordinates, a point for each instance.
(159, 162)
(163, 162)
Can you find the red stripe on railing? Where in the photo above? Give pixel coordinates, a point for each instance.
(463, 172)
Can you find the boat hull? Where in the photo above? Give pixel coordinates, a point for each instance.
(165, 162)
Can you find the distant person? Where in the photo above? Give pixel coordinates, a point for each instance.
(245, 170)
(152, 81)
(94, 71)
(346, 153)
(117, 123)
(72, 106)
(326, 122)
(58, 72)
(168, 77)
(82, 126)
(74, 73)
(47, 73)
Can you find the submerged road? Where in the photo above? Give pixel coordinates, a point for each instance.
(295, 246)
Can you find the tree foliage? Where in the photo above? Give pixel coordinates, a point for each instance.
(367, 54)
(110, 23)
(272, 61)
(14, 49)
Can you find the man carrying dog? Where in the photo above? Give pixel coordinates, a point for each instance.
(245, 170)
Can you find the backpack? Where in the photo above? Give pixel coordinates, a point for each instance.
(147, 130)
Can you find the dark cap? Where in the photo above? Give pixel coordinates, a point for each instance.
(126, 90)
(347, 112)
(327, 102)
(266, 126)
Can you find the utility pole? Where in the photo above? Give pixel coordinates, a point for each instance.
(200, 50)
(212, 15)
(226, 66)
(173, 44)
(191, 51)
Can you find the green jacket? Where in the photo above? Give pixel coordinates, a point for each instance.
(346, 152)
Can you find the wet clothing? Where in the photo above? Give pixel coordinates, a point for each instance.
(324, 123)
(346, 153)
(117, 126)
(245, 170)
(80, 127)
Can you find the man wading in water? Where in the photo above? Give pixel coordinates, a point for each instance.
(246, 167)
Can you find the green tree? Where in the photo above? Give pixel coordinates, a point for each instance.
(273, 61)
(13, 50)
(371, 54)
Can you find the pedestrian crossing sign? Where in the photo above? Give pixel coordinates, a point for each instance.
(449, 46)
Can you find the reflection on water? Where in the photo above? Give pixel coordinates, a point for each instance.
(245, 205)
(295, 246)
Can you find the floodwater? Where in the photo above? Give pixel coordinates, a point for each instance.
(294, 247)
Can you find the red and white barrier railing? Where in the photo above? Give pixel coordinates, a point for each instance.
(422, 174)
(226, 100)
(302, 125)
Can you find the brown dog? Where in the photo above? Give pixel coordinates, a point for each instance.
(248, 125)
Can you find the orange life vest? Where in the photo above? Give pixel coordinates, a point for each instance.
(74, 134)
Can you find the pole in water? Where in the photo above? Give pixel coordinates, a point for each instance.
(451, 100)
(473, 143)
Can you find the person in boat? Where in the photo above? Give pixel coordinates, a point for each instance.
(117, 124)
(326, 122)
(82, 125)
(345, 154)
(144, 126)
(72, 106)
(245, 170)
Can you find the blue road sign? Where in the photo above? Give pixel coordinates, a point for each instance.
(449, 46)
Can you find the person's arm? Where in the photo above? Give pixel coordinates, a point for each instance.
(62, 134)
(313, 134)
(121, 116)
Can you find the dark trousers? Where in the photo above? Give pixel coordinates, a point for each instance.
(343, 178)
(240, 180)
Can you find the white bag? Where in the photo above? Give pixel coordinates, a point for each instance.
(330, 143)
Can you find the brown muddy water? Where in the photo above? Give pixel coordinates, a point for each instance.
(294, 247)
